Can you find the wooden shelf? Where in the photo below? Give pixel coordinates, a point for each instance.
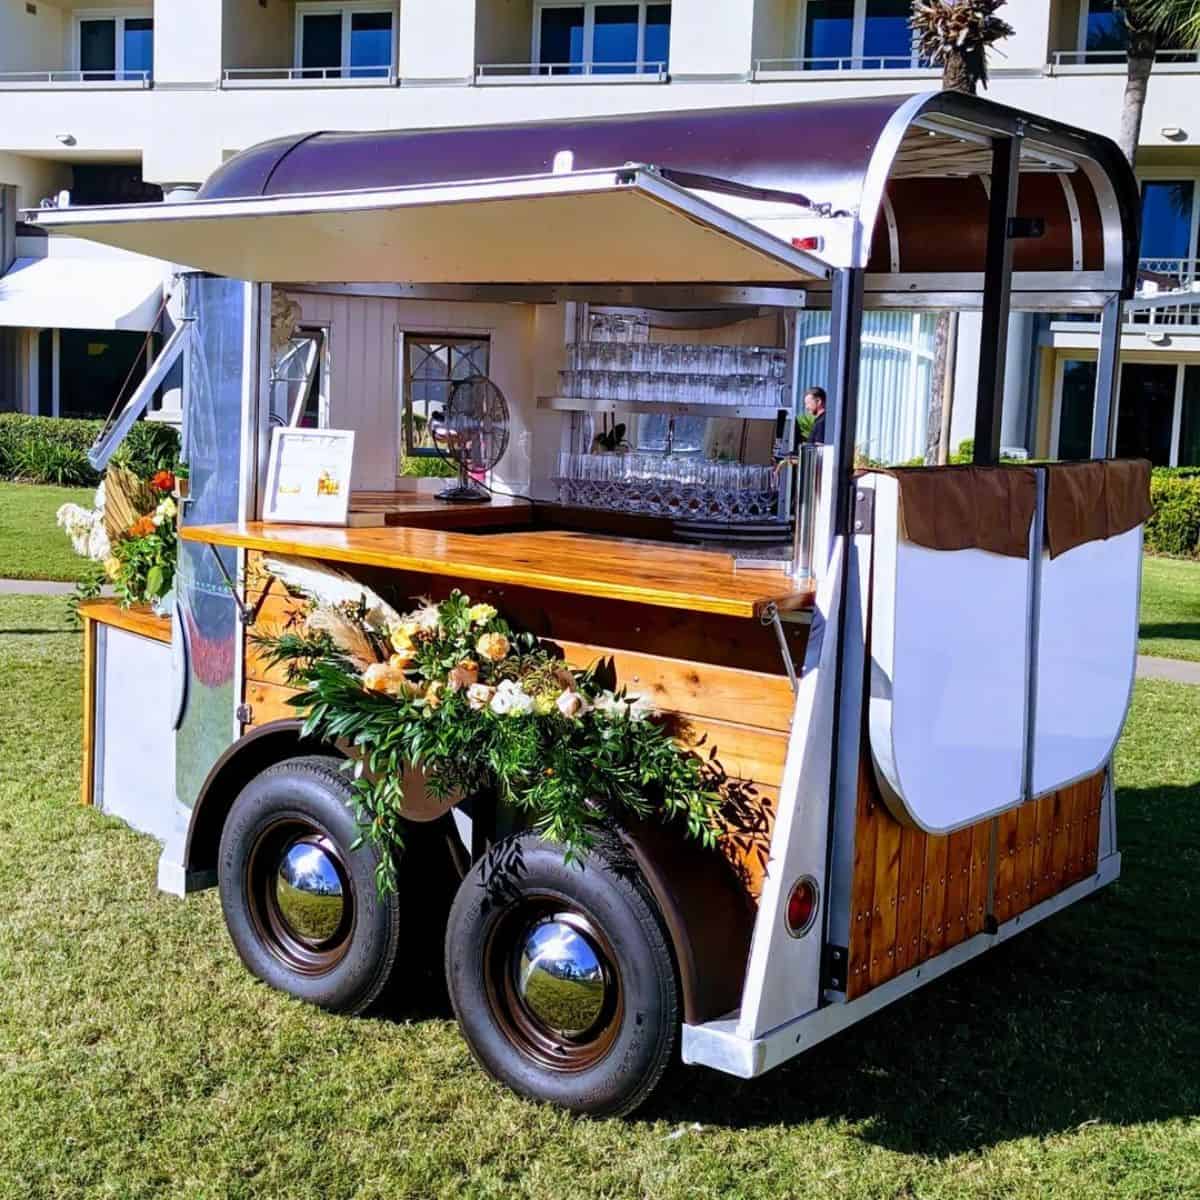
(137, 619)
(734, 412)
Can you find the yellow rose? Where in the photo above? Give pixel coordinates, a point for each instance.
(480, 614)
(433, 694)
(402, 658)
(112, 566)
(492, 646)
(403, 635)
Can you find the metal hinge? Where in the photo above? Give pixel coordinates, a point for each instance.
(834, 960)
(244, 713)
(863, 519)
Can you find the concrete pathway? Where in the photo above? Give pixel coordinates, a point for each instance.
(1177, 670)
(41, 587)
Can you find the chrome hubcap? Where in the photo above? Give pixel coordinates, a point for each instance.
(560, 975)
(309, 890)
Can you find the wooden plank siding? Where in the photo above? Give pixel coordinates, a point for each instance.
(914, 895)
(741, 717)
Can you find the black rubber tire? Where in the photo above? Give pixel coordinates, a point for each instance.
(611, 895)
(313, 791)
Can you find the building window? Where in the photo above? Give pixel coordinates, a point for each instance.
(115, 46)
(1101, 30)
(601, 38)
(1169, 226)
(857, 34)
(298, 378)
(1158, 412)
(345, 41)
(432, 365)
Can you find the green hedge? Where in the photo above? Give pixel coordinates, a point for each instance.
(54, 449)
(1174, 526)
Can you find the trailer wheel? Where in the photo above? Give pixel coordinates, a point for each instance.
(562, 979)
(301, 906)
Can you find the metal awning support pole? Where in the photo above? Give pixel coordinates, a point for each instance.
(1108, 369)
(997, 294)
(841, 417)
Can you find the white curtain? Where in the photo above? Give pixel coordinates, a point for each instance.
(895, 374)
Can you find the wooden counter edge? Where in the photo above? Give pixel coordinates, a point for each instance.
(749, 607)
(139, 620)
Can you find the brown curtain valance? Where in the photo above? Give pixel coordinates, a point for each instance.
(1089, 501)
(967, 508)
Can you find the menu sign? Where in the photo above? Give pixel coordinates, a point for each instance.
(308, 476)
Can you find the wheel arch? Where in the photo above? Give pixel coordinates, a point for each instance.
(251, 754)
(708, 915)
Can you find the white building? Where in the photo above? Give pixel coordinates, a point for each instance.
(102, 101)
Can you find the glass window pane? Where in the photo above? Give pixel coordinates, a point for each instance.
(615, 38)
(1147, 406)
(370, 44)
(321, 43)
(886, 34)
(1189, 427)
(1167, 218)
(1105, 28)
(139, 45)
(98, 49)
(562, 38)
(433, 366)
(828, 26)
(1078, 401)
(657, 47)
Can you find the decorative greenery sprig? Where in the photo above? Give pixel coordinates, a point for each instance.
(452, 690)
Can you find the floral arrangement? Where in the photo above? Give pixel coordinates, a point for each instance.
(452, 689)
(129, 536)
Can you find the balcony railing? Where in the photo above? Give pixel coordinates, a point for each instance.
(565, 72)
(1114, 60)
(767, 67)
(1168, 293)
(69, 79)
(249, 77)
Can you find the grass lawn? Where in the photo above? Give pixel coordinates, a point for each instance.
(138, 1058)
(1170, 608)
(31, 545)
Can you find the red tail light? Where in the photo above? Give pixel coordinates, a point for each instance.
(801, 906)
(814, 243)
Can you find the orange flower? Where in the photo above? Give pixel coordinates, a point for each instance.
(163, 481)
(141, 527)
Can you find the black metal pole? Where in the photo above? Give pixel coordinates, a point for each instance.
(997, 293)
(841, 419)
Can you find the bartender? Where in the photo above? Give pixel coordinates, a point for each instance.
(814, 405)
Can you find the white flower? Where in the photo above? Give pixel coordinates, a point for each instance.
(165, 511)
(479, 695)
(480, 614)
(81, 526)
(571, 704)
(427, 618)
(611, 705)
(100, 499)
(511, 700)
(641, 708)
(98, 546)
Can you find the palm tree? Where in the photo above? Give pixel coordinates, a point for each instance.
(1149, 25)
(955, 34)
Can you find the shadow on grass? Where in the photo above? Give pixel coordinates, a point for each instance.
(1188, 631)
(1093, 1015)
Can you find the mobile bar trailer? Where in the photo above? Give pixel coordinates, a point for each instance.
(917, 710)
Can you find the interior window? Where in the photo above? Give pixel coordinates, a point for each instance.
(98, 49)
(321, 44)
(1075, 415)
(370, 43)
(432, 366)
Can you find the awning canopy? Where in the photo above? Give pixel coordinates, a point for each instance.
(80, 293)
(616, 225)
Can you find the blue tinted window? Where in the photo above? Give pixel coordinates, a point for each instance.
(615, 38)
(657, 46)
(139, 45)
(828, 28)
(1167, 218)
(370, 43)
(1105, 28)
(562, 35)
(886, 35)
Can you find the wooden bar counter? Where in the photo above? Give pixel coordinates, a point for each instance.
(584, 564)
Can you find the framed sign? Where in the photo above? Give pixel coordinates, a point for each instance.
(308, 476)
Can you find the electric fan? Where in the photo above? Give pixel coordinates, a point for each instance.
(472, 433)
